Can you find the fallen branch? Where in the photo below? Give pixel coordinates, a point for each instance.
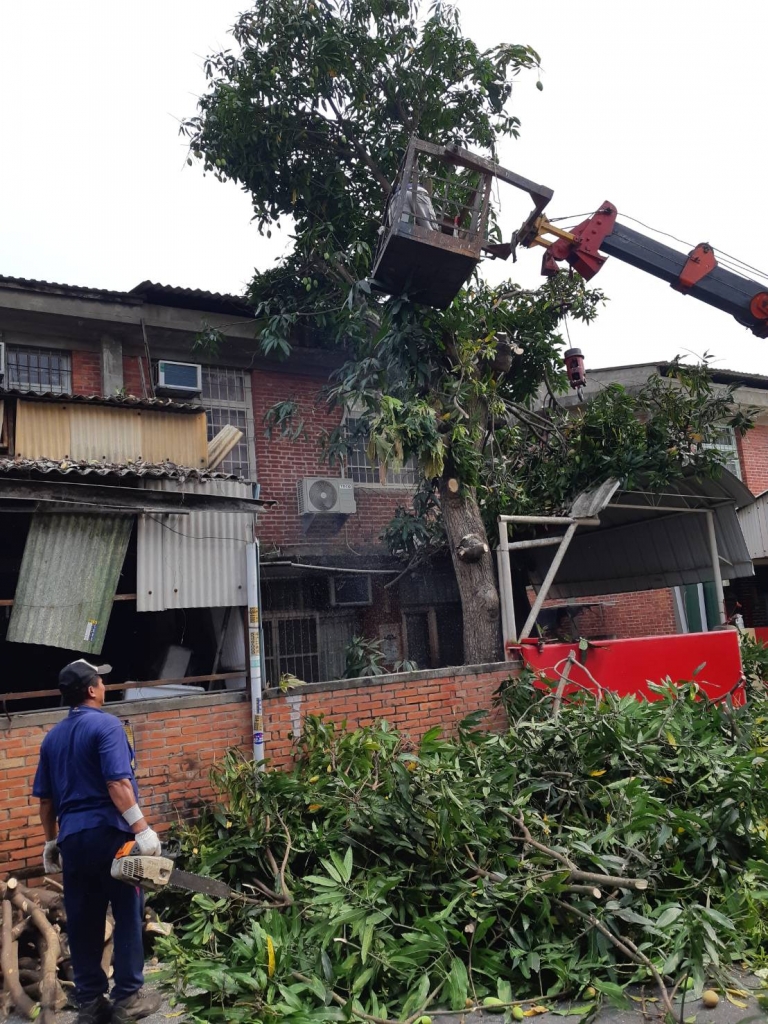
(574, 872)
(50, 950)
(629, 949)
(9, 961)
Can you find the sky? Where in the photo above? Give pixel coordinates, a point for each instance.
(658, 106)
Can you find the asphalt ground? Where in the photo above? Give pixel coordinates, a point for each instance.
(645, 1009)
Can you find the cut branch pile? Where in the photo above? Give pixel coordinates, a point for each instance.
(596, 843)
(35, 963)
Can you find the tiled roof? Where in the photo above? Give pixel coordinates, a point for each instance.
(146, 292)
(67, 467)
(121, 401)
(192, 298)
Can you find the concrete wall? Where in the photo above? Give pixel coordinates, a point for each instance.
(177, 741)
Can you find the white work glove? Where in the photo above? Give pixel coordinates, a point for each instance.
(51, 857)
(148, 842)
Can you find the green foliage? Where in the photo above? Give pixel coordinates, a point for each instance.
(646, 440)
(754, 658)
(363, 657)
(405, 879)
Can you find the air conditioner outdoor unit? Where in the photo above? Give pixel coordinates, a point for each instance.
(2, 361)
(319, 495)
(179, 378)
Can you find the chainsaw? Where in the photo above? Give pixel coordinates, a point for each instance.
(156, 873)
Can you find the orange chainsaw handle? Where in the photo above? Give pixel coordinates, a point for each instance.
(169, 850)
(126, 849)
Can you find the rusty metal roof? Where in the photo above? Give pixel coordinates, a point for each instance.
(83, 291)
(145, 292)
(66, 467)
(120, 401)
(192, 298)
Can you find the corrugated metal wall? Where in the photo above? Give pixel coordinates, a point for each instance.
(98, 435)
(42, 430)
(179, 438)
(197, 560)
(753, 520)
(68, 579)
(57, 430)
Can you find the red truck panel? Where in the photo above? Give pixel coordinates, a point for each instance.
(626, 666)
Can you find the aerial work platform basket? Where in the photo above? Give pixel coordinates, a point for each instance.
(436, 223)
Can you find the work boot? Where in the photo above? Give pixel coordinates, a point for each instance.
(135, 1006)
(97, 1011)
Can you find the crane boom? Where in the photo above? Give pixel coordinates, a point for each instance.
(586, 247)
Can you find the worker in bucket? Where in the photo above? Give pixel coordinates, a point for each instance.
(87, 788)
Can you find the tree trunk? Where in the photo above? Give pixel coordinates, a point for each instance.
(476, 578)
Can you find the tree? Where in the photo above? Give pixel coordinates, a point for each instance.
(311, 115)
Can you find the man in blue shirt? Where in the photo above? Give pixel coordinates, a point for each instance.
(85, 781)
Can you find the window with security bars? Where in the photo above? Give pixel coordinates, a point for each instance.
(725, 442)
(227, 399)
(290, 646)
(39, 370)
(364, 471)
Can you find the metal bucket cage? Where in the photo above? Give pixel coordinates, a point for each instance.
(435, 226)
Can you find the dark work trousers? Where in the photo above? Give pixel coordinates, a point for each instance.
(88, 889)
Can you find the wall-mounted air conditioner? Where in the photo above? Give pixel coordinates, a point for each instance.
(319, 495)
(350, 591)
(178, 378)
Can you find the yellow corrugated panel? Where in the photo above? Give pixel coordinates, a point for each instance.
(42, 430)
(104, 434)
(176, 437)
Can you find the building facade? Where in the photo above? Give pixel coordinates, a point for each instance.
(326, 576)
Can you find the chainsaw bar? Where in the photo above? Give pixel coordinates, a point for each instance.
(197, 883)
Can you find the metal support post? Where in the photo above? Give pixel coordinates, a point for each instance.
(508, 625)
(717, 575)
(547, 582)
(254, 649)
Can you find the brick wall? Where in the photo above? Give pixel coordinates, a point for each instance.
(645, 613)
(132, 381)
(176, 741)
(86, 372)
(753, 455)
(282, 463)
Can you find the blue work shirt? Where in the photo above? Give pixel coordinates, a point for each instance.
(78, 757)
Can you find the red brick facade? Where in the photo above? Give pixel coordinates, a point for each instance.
(86, 372)
(645, 613)
(174, 754)
(281, 463)
(753, 455)
(132, 379)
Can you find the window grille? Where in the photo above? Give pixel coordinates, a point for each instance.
(38, 370)
(227, 400)
(363, 471)
(290, 645)
(725, 442)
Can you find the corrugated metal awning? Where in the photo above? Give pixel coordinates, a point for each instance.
(648, 540)
(195, 560)
(68, 579)
(754, 524)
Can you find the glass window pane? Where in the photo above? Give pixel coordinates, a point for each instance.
(38, 369)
